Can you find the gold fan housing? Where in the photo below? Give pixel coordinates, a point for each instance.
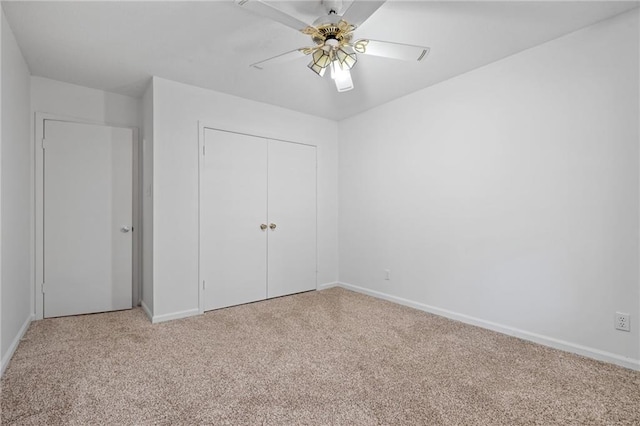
(342, 32)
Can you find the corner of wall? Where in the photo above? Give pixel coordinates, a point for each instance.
(147, 299)
(1, 24)
(637, 12)
(16, 170)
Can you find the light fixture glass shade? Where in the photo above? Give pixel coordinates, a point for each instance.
(341, 76)
(346, 56)
(317, 69)
(321, 59)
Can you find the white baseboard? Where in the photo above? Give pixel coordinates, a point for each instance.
(586, 351)
(328, 285)
(15, 343)
(146, 310)
(174, 315)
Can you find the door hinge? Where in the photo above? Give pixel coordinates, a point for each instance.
(44, 143)
(203, 284)
(42, 287)
(203, 149)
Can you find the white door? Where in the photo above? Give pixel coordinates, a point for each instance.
(88, 180)
(233, 208)
(292, 218)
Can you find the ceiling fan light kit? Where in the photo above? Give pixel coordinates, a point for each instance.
(332, 35)
(342, 77)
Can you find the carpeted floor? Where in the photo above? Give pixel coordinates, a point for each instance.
(330, 357)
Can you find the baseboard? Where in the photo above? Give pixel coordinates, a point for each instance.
(146, 310)
(327, 285)
(15, 343)
(633, 364)
(174, 315)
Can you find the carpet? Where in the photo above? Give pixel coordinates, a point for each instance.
(332, 357)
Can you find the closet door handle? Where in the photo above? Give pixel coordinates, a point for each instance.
(263, 226)
(272, 226)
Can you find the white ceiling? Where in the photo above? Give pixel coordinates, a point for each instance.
(116, 46)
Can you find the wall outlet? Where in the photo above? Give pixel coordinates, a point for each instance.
(387, 274)
(622, 322)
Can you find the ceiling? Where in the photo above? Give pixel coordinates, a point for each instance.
(116, 46)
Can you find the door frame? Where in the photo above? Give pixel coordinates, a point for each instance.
(39, 120)
(202, 125)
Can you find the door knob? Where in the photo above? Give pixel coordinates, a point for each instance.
(125, 229)
(263, 226)
(272, 226)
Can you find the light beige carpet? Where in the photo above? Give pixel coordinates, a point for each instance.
(318, 358)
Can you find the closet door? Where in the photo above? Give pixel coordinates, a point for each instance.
(292, 219)
(233, 206)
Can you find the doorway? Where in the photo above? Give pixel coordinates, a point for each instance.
(86, 224)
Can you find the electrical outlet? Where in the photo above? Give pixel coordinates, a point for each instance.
(622, 321)
(387, 274)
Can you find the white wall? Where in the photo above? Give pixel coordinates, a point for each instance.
(507, 196)
(147, 200)
(70, 100)
(1, 363)
(17, 196)
(177, 109)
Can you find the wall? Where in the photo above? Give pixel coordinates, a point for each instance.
(147, 200)
(177, 109)
(70, 100)
(1, 363)
(508, 196)
(17, 196)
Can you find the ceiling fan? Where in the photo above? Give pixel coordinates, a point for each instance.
(334, 47)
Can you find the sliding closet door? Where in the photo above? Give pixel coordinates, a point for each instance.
(233, 206)
(292, 219)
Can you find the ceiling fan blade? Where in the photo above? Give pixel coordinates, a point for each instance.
(283, 57)
(387, 49)
(268, 11)
(360, 10)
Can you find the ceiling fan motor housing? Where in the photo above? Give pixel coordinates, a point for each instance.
(331, 31)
